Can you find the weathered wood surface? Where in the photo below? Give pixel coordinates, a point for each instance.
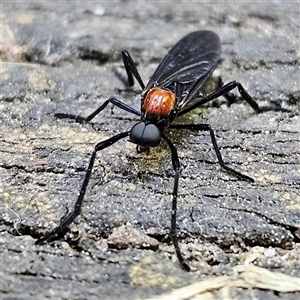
(59, 57)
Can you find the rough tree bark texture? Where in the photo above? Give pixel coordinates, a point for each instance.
(60, 57)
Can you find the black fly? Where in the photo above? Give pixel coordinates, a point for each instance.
(171, 92)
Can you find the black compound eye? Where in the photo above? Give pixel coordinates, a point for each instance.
(136, 132)
(151, 136)
(145, 135)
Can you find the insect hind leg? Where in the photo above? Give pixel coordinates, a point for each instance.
(131, 71)
(224, 91)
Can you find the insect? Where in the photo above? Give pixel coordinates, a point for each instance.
(172, 91)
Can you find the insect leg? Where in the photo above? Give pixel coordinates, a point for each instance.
(173, 231)
(206, 127)
(230, 97)
(131, 69)
(224, 90)
(112, 100)
(68, 218)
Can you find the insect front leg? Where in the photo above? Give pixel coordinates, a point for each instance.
(173, 231)
(69, 218)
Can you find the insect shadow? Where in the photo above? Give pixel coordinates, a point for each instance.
(172, 91)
